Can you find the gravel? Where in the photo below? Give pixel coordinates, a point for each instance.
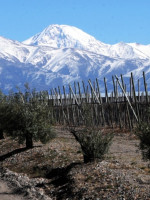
(21, 184)
(62, 174)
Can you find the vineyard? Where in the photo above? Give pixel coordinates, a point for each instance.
(76, 142)
(119, 108)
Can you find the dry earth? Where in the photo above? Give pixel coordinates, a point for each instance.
(56, 170)
(7, 193)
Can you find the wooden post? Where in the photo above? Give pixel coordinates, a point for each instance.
(135, 99)
(131, 96)
(116, 89)
(75, 88)
(84, 93)
(93, 92)
(58, 104)
(61, 103)
(87, 94)
(99, 93)
(76, 100)
(128, 113)
(100, 100)
(107, 101)
(91, 96)
(65, 102)
(117, 110)
(127, 99)
(80, 95)
(106, 92)
(145, 86)
(138, 90)
(77, 103)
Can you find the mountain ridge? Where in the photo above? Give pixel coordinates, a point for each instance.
(62, 54)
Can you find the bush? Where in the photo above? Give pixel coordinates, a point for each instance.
(27, 117)
(143, 133)
(2, 113)
(94, 143)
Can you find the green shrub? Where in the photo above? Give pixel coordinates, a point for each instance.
(2, 113)
(143, 133)
(27, 117)
(94, 143)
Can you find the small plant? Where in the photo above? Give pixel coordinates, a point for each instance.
(94, 143)
(143, 133)
(2, 113)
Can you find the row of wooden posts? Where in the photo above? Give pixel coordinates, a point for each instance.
(87, 105)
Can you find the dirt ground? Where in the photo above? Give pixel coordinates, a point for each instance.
(7, 193)
(121, 175)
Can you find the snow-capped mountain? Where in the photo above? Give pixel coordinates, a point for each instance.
(62, 36)
(62, 54)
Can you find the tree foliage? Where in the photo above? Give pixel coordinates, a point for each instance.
(143, 133)
(94, 143)
(2, 113)
(27, 117)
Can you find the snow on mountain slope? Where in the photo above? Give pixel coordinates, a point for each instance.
(62, 54)
(129, 51)
(143, 49)
(63, 36)
(14, 50)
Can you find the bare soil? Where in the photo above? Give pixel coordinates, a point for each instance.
(121, 175)
(7, 193)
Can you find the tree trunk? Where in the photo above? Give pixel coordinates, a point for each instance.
(1, 134)
(29, 140)
(88, 159)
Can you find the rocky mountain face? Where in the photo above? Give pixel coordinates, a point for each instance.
(62, 54)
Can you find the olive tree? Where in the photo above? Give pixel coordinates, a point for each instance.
(2, 113)
(143, 133)
(94, 143)
(28, 117)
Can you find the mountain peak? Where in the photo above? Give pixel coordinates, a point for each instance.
(62, 54)
(64, 36)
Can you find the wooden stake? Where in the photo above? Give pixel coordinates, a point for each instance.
(145, 86)
(127, 99)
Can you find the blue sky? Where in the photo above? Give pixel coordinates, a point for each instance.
(110, 21)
